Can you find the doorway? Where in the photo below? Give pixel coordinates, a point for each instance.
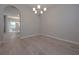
(11, 22)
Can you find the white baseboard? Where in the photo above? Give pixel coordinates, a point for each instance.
(73, 42)
(23, 37)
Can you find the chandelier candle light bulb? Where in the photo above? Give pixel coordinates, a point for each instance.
(34, 9)
(35, 12)
(45, 9)
(38, 6)
(41, 12)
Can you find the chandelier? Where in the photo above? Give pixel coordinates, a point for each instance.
(39, 10)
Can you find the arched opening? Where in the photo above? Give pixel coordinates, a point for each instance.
(11, 21)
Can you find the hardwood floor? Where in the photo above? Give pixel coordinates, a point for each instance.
(38, 45)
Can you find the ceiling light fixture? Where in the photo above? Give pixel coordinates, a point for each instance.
(39, 9)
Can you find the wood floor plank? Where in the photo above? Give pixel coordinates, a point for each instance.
(38, 45)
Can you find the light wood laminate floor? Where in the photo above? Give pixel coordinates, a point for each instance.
(38, 45)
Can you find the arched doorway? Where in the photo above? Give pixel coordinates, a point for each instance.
(11, 22)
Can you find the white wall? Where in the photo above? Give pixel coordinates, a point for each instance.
(1, 21)
(61, 21)
(29, 21)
